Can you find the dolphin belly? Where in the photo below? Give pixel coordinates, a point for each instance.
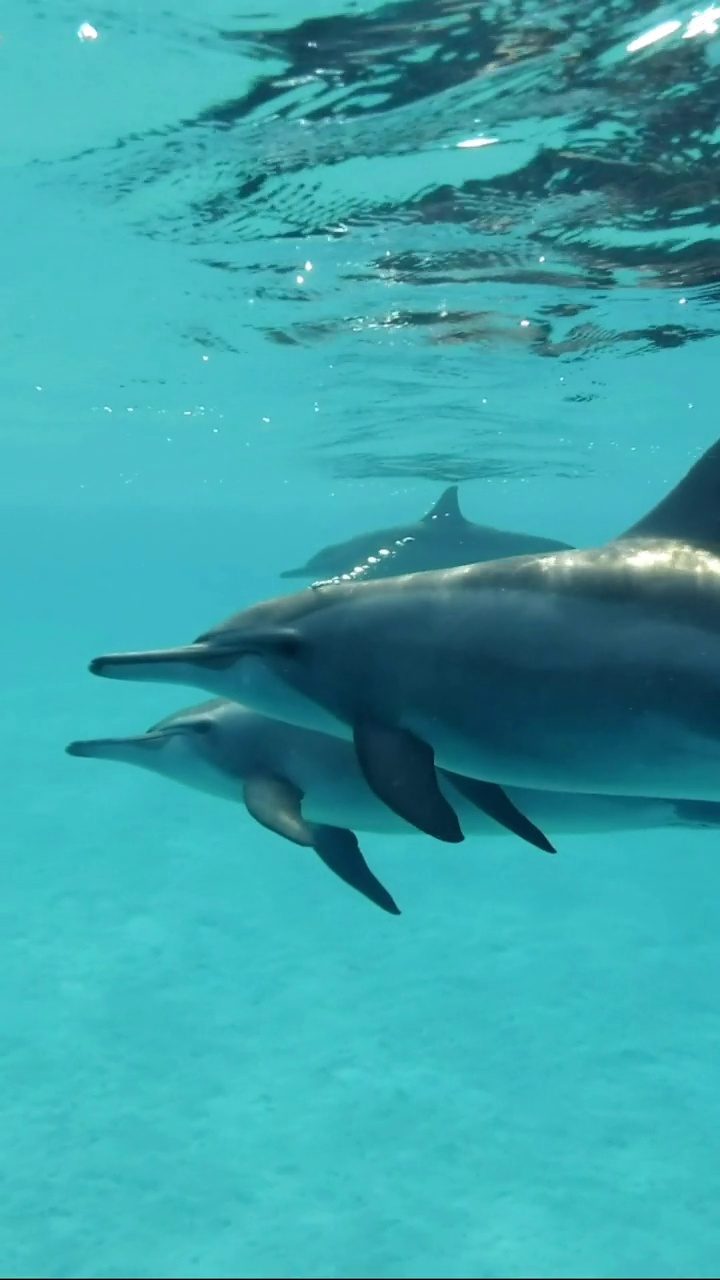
(579, 813)
(562, 813)
(336, 793)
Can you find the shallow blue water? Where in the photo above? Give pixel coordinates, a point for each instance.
(216, 1060)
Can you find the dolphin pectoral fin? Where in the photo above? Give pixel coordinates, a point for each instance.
(492, 800)
(275, 804)
(340, 851)
(400, 769)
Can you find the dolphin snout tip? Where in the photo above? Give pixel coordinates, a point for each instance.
(110, 665)
(76, 749)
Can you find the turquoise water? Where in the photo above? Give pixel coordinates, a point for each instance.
(217, 1061)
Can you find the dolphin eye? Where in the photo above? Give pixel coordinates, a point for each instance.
(287, 645)
(281, 642)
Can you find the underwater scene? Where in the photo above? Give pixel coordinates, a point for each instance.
(360, 499)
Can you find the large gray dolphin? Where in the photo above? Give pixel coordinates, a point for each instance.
(308, 787)
(594, 671)
(441, 539)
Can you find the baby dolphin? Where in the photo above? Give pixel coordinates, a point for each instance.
(594, 671)
(289, 780)
(439, 540)
(299, 783)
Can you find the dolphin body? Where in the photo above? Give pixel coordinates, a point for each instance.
(441, 539)
(579, 671)
(309, 788)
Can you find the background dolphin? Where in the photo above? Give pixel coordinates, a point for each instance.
(589, 671)
(308, 787)
(439, 540)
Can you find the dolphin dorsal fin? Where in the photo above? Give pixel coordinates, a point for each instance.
(691, 511)
(447, 507)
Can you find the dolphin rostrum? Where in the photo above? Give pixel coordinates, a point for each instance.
(594, 671)
(441, 539)
(308, 787)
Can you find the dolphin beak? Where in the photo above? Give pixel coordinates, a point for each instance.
(98, 747)
(303, 572)
(85, 748)
(159, 665)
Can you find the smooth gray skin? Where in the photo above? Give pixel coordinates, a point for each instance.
(440, 540)
(242, 744)
(593, 671)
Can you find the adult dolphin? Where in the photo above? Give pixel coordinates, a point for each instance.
(442, 538)
(308, 787)
(592, 670)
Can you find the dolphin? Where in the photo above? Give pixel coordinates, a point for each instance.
(594, 671)
(309, 788)
(291, 781)
(439, 540)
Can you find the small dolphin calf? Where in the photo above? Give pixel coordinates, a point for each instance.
(441, 539)
(594, 671)
(308, 787)
(293, 782)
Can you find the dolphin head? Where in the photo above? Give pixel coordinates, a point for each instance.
(153, 750)
(352, 559)
(324, 563)
(173, 747)
(258, 657)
